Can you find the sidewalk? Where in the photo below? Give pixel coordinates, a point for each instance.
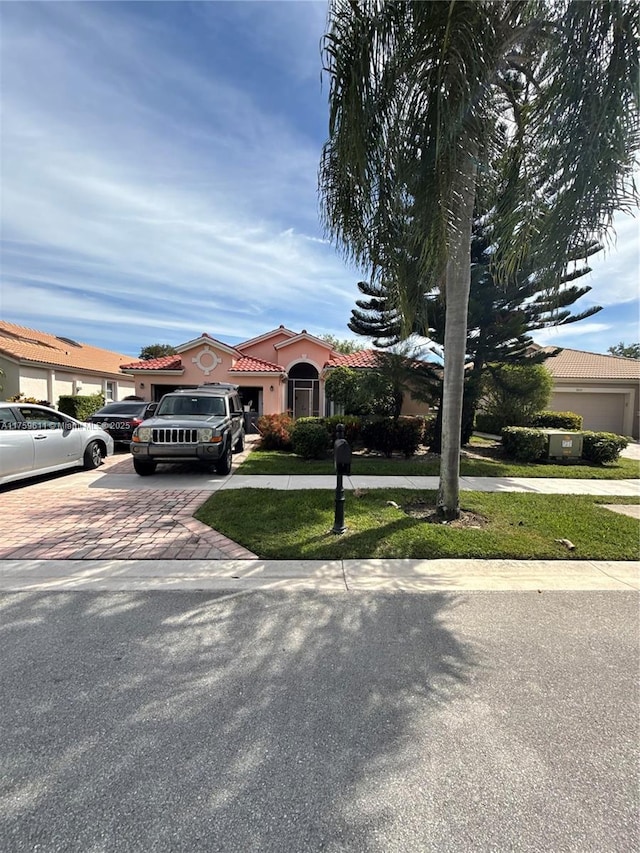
(167, 500)
(535, 485)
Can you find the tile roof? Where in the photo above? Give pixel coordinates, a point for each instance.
(24, 344)
(165, 362)
(362, 358)
(577, 364)
(253, 365)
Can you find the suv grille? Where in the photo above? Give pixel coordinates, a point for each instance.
(174, 436)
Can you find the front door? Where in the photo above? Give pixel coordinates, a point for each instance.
(302, 403)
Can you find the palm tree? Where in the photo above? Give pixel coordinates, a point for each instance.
(429, 99)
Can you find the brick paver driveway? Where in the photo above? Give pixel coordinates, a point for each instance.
(112, 513)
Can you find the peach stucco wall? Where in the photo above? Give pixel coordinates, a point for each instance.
(303, 350)
(265, 349)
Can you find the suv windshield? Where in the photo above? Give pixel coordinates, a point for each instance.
(204, 406)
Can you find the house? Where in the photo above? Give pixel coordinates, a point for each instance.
(279, 371)
(604, 389)
(46, 367)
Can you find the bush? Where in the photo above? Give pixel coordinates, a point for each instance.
(523, 444)
(557, 420)
(408, 435)
(352, 427)
(20, 398)
(309, 438)
(491, 424)
(378, 434)
(429, 424)
(514, 393)
(385, 435)
(602, 447)
(80, 407)
(275, 431)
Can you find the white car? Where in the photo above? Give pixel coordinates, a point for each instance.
(39, 440)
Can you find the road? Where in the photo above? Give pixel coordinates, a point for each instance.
(302, 721)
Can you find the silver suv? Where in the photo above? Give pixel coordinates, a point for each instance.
(205, 424)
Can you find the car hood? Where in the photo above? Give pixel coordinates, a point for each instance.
(184, 422)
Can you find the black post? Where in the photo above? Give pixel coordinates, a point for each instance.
(338, 521)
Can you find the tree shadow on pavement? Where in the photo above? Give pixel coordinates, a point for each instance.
(240, 722)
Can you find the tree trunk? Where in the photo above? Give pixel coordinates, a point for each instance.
(457, 285)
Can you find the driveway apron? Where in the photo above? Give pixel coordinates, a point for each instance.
(98, 515)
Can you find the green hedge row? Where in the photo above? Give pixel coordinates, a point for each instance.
(80, 407)
(528, 444)
(494, 424)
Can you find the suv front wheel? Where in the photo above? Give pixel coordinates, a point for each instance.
(224, 465)
(144, 468)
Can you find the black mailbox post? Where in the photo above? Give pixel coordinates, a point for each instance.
(342, 464)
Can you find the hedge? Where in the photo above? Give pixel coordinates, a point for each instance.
(80, 407)
(557, 420)
(491, 424)
(385, 435)
(275, 431)
(524, 444)
(602, 447)
(352, 427)
(309, 439)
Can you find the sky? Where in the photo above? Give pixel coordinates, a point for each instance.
(159, 168)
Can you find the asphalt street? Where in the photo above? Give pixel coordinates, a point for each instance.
(302, 721)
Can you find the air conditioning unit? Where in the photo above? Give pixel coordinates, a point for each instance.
(562, 444)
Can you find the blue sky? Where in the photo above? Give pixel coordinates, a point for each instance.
(159, 178)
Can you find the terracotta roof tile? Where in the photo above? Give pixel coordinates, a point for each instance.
(165, 362)
(249, 364)
(362, 358)
(577, 364)
(24, 344)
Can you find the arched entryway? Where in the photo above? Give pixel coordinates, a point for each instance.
(303, 391)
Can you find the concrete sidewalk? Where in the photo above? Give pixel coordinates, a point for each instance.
(236, 576)
(534, 485)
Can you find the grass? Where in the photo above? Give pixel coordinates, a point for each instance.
(273, 462)
(282, 525)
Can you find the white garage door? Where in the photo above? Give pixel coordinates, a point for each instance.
(600, 412)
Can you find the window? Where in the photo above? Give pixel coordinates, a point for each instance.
(110, 392)
(39, 419)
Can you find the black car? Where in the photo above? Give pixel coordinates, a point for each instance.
(120, 419)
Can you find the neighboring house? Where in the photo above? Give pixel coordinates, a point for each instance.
(46, 367)
(604, 389)
(280, 371)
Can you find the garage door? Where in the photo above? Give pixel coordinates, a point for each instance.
(600, 412)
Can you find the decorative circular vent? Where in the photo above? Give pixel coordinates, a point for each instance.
(206, 360)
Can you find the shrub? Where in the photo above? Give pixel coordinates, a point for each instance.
(514, 393)
(429, 424)
(408, 435)
(20, 398)
(491, 424)
(557, 420)
(275, 431)
(385, 435)
(80, 407)
(379, 434)
(602, 447)
(352, 427)
(523, 444)
(309, 438)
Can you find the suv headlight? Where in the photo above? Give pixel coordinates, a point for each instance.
(142, 434)
(206, 435)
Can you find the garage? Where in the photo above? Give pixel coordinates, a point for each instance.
(601, 412)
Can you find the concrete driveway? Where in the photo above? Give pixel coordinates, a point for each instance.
(112, 513)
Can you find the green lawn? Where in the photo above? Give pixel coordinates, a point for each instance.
(274, 462)
(296, 525)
